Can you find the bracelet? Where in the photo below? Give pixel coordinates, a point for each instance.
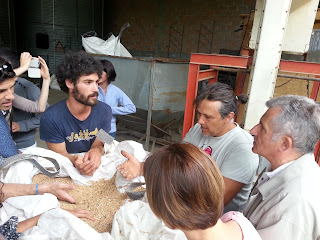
(37, 189)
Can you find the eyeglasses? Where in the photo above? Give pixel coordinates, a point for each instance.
(6, 68)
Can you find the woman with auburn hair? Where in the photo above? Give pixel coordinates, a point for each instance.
(185, 190)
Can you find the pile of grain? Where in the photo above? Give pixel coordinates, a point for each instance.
(102, 199)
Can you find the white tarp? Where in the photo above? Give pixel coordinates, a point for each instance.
(112, 46)
(134, 218)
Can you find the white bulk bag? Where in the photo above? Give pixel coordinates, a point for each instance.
(111, 46)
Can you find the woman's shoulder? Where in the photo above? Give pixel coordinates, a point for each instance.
(248, 230)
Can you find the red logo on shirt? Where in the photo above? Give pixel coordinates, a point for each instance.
(208, 150)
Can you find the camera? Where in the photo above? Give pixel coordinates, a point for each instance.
(35, 63)
(34, 70)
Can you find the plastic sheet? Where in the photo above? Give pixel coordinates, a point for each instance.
(135, 220)
(111, 46)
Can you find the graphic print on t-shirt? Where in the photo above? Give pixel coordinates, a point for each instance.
(208, 150)
(83, 135)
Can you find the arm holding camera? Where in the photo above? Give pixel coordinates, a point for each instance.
(45, 84)
(41, 104)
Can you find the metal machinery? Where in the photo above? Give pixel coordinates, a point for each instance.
(157, 87)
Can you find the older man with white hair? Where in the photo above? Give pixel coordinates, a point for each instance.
(285, 203)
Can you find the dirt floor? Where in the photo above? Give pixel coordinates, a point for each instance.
(293, 86)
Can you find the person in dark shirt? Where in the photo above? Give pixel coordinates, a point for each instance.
(70, 126)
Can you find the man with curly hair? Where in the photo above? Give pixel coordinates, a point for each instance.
(70, 126)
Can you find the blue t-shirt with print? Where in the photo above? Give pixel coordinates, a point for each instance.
(58, 125)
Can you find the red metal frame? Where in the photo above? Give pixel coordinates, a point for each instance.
(219, 60)
(240, 62)
(317, 153)
(196, 75)
(299, 67)
(314, 95)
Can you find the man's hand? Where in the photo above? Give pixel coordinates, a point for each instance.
(132, 168)
(59, 190)
(15, 127)
(79, 164)
(81, 213)
(91, 161)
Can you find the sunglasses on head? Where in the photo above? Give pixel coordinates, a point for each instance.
(6, 68)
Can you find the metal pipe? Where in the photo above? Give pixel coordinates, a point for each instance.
(299, 77)
(279, 75)
(149, 119)
(230, 69)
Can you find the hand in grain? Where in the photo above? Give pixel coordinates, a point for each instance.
(81, 213)
(59, 190)
(101, 198)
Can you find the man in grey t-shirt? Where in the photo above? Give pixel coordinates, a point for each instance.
(218, 135)
(233, 155)
(228, 144)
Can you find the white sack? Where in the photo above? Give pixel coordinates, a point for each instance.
(23, 171)
(57, 223)
(135, 220)
(111, 46)
(54, 222)
(135, 149)
(54, 83)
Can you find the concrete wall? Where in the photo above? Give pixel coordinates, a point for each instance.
(150, 22)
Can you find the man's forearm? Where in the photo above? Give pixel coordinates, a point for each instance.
(14, 189)
(100, 148)
(71, 157)
(99, 145)
(61, 149)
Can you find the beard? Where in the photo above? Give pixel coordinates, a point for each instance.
(81, 98)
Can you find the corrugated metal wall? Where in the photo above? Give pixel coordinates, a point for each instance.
(7, 29)
(314, 50)
(63, 21)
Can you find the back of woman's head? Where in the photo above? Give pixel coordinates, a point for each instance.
(109, 69)
(184, 187)
(6, 71)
